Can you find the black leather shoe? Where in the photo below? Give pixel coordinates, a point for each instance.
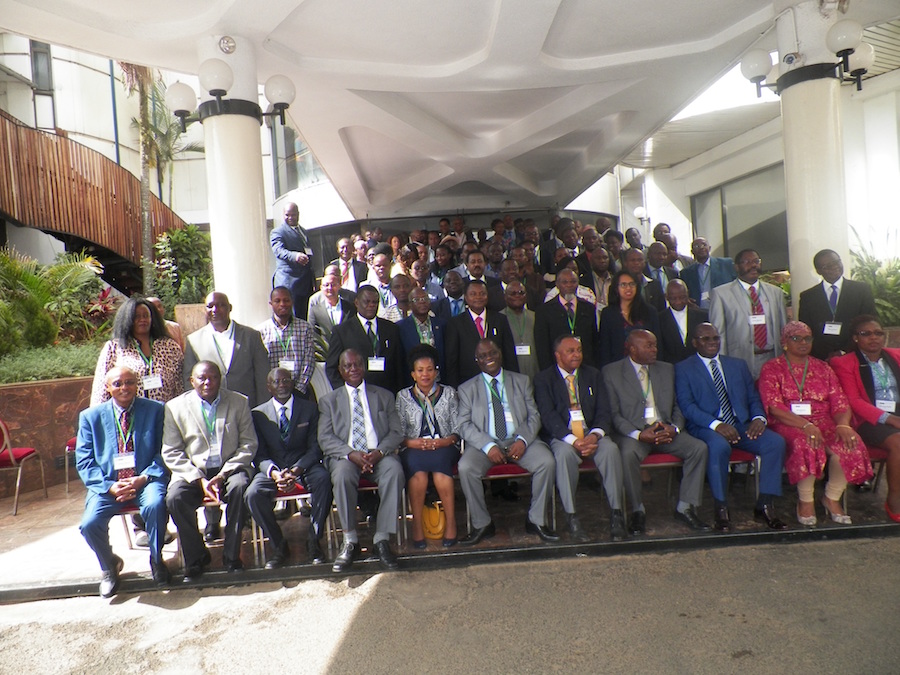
(638, 524)
(723, 520)
(766, 515)
(195, 571)
(316, 556)
(349, 552)
(542, 531)
(386, 555)
(479, 533)
(689, 518)
(160, 572)
(211, 532)
(279, 558)
(234, 566)
(109, 579)
(617, 525)
(575, 529)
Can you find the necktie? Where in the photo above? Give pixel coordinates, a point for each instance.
(724, 402)
(455, 307)
(497, 406)
(647, 388)
(832, 299)
(659, 277)
(126, 442)
(345, 271)
(303, 240)
(359, 424)
(577, 426)
(479, 324)
(759, 330)
(372, 337)
(570, 312)
(283, 424)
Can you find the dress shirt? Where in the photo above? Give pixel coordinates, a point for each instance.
(224, 342)
(765, 306)
(288, 411)
(637, 372)
(208, 412)
(885, 383)
(681, 322)
(483, 315)
(703, 272)
(507, 411)
(335, 313)
(371, 436)
(571, 438)
(827, 288)
(346, 267)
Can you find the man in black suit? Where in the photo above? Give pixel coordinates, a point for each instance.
(378, 340)
(467, 329)
(829, 307)
(657, 271)
(677, 323)
(288, 453)
(633, 261)
(564, 315)
(590, 240)
(353, 273)
(475, 265)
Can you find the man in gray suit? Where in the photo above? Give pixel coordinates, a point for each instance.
(208, 445)
(646, 419)
(749, 314)
(359, 433)
(499, 422)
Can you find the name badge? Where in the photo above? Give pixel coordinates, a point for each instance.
(151, 382)
(507, 415)
(802, 408)
(576, 415)
(123, 460)
(214, 461)
(757, 319)
(649, 412)
(286, 364)
(376, 364)
(886, 406)
(308, 251)
(831, 328)
(704, 296)
(523, 350)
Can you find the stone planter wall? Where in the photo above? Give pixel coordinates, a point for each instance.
(42, 415)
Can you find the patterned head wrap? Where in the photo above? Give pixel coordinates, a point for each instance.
(793, 328)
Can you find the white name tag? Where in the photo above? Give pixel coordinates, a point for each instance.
(523, 350)
(213, 461)
(508, 417)
(287, 365)
(704, 296)
(757, 319)
(576, 415)
(123, 460)
(801, 408)
(832, 328)
(649, 412)
(886, 406)
(151, 382)
(376, 364)
(308, 251)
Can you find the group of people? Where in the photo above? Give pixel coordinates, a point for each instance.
(551, 352)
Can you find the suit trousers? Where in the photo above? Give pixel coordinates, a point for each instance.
(183, 500)
(537, 460)
(608, 461)
(770, 447)
(99, 509)
(260, 498)
(690, 450)
(388, 475)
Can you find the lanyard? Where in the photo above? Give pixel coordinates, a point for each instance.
(802, 383)
(646, 391)
(147, 361)
(286, 346)
(125, 437)
(424, 331)
(758, 299)
(570, 319)
(219, 351)
(519, 324)
(427, 406)
(210, 423)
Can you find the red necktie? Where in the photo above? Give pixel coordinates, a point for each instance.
(479, 324)
(126, 443)
(759, 330)
(345, 271)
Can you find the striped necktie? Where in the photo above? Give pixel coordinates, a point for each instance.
(283, 423)
(760, 336)
(724, 402)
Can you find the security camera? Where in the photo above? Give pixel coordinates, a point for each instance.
(791, 58)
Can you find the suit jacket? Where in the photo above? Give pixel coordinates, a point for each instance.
(611, 343)
(319, 316)
(474, 409)
(186, 446)
(286, 242)
(98, 442)
(729, 309)
(409, 336)
(626, 398)
(358, 270)
(671, 346)
(496, 298)
(350, 334)
(551, 321)
(654, 294)
(300, 451)
(584, 266)
(461, 339)
(441, 308)
(697, 397)
(335, 419)
(856, 380)
(854, 299)
(721, 271)
(552, 397)
(249, 362)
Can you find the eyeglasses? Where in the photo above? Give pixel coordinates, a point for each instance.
(627, 284)
(124, 383)
(420, 300)
(282, 380)
(806, 339)
(750, 261)
(515, 292)
(870, 333)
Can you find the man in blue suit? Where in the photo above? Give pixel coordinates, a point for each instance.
(293, 254)
(720, 404)
(706, 274)
(118, 458)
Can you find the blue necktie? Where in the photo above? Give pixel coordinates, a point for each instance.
(284, 424)
(724, 402)
(832, 300)
(455, 307)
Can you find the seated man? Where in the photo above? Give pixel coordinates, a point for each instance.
(287, 429)
(576, 423)
(117, 455)
(499, 422)
(647, 419)
(359, 432)
(719, 400)
(208, 445)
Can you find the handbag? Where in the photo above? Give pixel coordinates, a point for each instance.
(434, 520)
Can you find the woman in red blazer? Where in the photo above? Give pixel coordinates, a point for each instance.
(870, 376)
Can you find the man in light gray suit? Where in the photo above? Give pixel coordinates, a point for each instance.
(749, 314)
(646, 419)
(208, 444)
(499, 422)
(359, 433)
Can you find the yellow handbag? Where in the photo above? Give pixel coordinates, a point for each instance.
(434, 520)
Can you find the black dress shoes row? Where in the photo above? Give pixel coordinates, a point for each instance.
(542, 531)
(723, 520)
(386, 555)
(617, 525)
(689, 518)
(478, 533)
(766, 514)
(109, 579)
(195, 571)
(161, 574)
(349, 553)
(279, 558)
(638, 524)
(576, 530)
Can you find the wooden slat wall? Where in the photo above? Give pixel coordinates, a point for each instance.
(51, 183)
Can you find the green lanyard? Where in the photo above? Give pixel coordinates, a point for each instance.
(125, 437)
(571, 320)
(802, 383)
(519, 323)
(210, 423)
(286, 346)
(646, 391)
(147, 361)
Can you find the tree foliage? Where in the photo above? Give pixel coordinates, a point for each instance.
(183, 266)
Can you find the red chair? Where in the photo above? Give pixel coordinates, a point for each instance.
(297, 494)
(505, 471)
(13, 459)
(752, 461)
(365, 485)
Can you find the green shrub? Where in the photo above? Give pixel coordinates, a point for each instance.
(183, 266)
(48, 363)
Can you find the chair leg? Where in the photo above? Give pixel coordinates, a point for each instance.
(43, 482)
(18, 485)
(878, 475)
(128, 537)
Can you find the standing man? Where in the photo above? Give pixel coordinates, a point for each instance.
(453, 304)
(564, 315)
(706, 273)
(677, 323)
(658, 273)
(499, 421)
(654, 295)
(614, 241)
(829, 307)
(748, 314)
(293, 268)
(590, 241)
(352, 271)
(422, 276)
(118, 458)
(521, 323)
(208, 445)
(633, 237)
(599, 278)
(288, 340)
(288, 454)
(359, 432)
(576, 422)
(722, 408)
(332, 309)
(421, 327)
(380, 280)
(646, 418)
(475, 265)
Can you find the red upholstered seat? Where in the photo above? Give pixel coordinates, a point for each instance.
(18, 454)
(661, 459)
(13, 459)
